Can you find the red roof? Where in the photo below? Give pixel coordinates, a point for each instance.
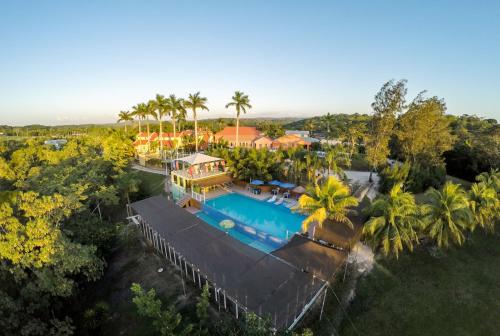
(245, 133)
(140, 142)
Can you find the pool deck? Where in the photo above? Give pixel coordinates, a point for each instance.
(282, 285)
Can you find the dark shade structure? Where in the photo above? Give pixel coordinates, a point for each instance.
(243, 277)
(312, 257)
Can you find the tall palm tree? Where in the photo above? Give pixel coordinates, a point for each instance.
(161, 110)
(125, 116)
(484, 205)
(447, 215)
(241, 102)
(149, 111)
(394, 221)
(175, 106)
(312, 163)
(194, 102)
(181, 118)
(334, 158)
(139, 111)
(328, 201)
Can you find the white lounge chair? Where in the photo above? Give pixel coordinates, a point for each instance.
(272, 199)
(280, 201)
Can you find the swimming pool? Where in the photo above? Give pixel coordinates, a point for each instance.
(265, 226)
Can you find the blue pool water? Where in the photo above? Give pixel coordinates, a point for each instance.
(262, 225)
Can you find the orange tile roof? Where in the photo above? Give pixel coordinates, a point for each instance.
(245, 133)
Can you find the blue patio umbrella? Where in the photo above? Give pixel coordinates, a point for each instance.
(257, 182)
(274, 183)
(287, 185)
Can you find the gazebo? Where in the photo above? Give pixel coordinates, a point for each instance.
(199, 169)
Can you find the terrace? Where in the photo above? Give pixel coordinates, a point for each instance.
(283, 285)
(199, 169)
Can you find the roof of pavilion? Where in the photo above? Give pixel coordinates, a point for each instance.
(198, 158)
(266, 284)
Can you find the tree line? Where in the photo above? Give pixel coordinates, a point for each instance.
(57, 225)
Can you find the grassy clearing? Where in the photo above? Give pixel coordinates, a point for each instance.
(454, 293)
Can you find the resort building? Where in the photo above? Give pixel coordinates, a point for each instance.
(305, 135)
(246, 136)
(142, 145)
(198, 172)
(263, 142)
(290, 141)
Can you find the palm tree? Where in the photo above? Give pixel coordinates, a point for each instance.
(181, 118)
(491, 179)
(125, 116)
(309, 125)
(447, 214)
(175, 106)
(328, 201)
(161, 108)
(241, 102)
(139, 111)
(149, 111)
(194, 102)
(312, 164)
(394, 221)
(484, 205)
(327, 120)
(334, 158)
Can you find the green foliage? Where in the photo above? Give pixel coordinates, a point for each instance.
(271, 129)
(422, 176)
(394, 222)
(394, 175)
(330, 200)
(423, 132)
(202, 312)
(484, 205)
(166, 321)
(389, 101)
(476, 148)
(447, 215)
(94, 318)
(52, 232)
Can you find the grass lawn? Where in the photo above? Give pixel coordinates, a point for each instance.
(455, 293)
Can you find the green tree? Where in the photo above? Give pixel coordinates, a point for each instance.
(389, 101)
(167, 322)
(139, 111)
(334, 159)
(310, 126)
(447, 215)
(202, 312)
(175, 106)
(241, 102)
(394, 222)
(484, 205)
(161, 109)
(491, 179)
(394, 175)
(194, 102)
(125, 116)
(327, 120)
(329, 201)
(423, 132)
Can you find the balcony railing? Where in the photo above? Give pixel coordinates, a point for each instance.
(184, 173)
